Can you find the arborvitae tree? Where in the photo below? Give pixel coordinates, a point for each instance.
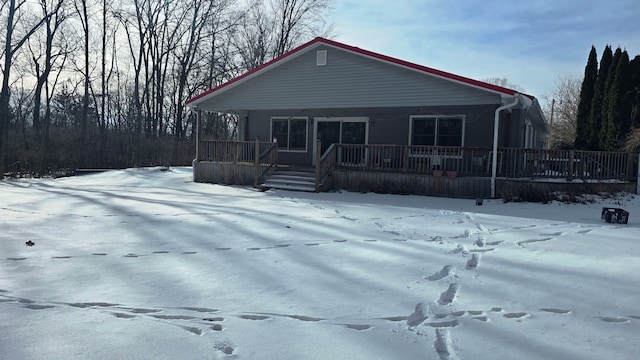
(595, 114)
(634, 92)
(606, 98)
(614, 108)
(627, 99)
(586, 97)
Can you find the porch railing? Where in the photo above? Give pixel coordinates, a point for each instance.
(458, 161)
(262, 155)
(325, 163)
(265, 160)
(469, 161)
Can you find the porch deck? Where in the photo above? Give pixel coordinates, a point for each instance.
(426, 170)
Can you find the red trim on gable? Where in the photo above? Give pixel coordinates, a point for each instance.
(367, 53)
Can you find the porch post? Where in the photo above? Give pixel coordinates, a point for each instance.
(194, 163)
(638, 178)
(405, 158)
(570, 165)
(318, 165)
(257, 162)
(198, 115)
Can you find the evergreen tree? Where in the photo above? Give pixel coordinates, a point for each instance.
(617, 107)
(586, 97)
(595, 114)
(606, 98)
(634, 92)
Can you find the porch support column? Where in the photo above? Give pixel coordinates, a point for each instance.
(198, 115)
(638, 178)
(194, 163)
(317, 156)
(494, 159)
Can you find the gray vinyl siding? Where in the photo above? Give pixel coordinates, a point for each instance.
(347, 81)
(386, 125)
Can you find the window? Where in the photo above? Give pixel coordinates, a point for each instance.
(290, 133)
(437, 130)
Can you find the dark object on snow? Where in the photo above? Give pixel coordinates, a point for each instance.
(478, 202)
(615, 216)
(29, 243)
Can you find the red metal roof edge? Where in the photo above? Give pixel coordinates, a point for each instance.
(425, 69)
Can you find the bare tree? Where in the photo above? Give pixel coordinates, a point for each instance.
(254, 36)
(43, 62)
(561, 109)
(112, 97)
(82, 9)
(11, 9)
(296, 20)
(186, 52)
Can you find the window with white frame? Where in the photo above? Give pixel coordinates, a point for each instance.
(290, 133)
(437, 130)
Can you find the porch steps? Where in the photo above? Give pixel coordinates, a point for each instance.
(293, 179)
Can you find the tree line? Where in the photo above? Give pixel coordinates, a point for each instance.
(102, 83)
(608, 112)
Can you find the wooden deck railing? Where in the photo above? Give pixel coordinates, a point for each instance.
(325, 163)
(265, 160)
(262, 155)
(463, 161)
(510, 163)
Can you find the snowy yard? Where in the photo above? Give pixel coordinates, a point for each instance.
(146, 264)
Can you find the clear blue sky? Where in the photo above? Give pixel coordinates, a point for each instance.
(531, 43)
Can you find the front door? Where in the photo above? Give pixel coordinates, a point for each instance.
(342, 131)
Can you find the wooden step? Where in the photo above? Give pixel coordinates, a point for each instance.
(293, 179)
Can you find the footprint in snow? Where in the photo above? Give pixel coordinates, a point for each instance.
(516, 315)
(357, 326)
(224, 347)
(444, 345)
(521, 243)
(559, 233)
(38, 307)
(556, 310)
(254, 317)
(123, 315)
(473, 262)
(419, 315)
(460, 249)
(447, 297)
(465, 235)
(446, 270)
(618, 319)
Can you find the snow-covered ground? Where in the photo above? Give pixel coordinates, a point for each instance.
(146, 264)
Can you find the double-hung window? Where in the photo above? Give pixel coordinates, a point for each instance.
(437, 130)
(290, 133)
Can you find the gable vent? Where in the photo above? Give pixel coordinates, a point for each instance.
(321, 58)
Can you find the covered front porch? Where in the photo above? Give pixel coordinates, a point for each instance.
(450, 171)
